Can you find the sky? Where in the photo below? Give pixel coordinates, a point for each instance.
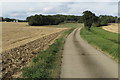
(22, 9)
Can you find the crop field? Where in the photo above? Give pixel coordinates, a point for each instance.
(47, 63)
(112, 28)
(16, 34)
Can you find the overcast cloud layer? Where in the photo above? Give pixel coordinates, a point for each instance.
(21, 10)
(59, 0)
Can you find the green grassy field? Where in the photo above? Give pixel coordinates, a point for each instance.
(47, 63)
(68, 25)
(104, 40)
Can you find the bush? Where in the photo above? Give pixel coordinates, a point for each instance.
(97, 24)
(104, 23)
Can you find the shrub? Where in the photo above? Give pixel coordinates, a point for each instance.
(104, 23)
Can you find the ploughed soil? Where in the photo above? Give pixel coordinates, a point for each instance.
(15, 34)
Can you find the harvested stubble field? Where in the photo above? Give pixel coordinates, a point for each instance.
(20, 43)
(16, 34)
(112, 28)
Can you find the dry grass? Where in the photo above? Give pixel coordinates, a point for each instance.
(16, 34)
(112, 28)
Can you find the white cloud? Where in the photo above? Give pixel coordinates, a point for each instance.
(47, 9)
(59, 0)
(23, 9)
(31, 9)
(1, 9)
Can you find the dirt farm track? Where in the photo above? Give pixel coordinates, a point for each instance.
(16, 34)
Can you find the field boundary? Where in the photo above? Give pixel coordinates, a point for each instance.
(13, 60)
(47, 63)
(108, 46)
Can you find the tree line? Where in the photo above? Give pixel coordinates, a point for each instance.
(10, 20)
(88, 18)
(38, 20)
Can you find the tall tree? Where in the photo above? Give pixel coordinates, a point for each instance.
(89, 18)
